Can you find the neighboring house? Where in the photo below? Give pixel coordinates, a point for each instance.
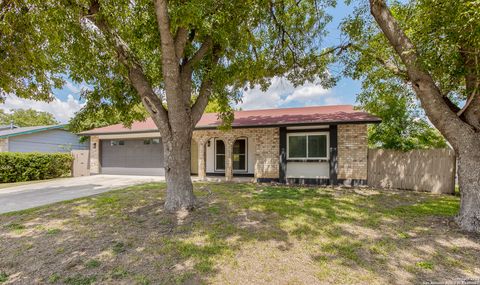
(321, 145)
(7, 127)
(54, 138)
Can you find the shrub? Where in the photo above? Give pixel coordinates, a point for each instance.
(16, 166)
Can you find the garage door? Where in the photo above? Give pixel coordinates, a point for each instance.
(132, 157)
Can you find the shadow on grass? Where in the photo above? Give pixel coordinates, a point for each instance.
(351, 238)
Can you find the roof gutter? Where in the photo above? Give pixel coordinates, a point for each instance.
(33, 131)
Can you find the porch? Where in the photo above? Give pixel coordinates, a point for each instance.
(249, 153)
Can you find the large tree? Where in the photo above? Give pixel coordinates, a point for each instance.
(431, 47)
(174, 56)
(404, 126)
(27, 118)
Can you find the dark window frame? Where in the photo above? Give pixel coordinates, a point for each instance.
(215, 154)
(306, 134)
(246, 155)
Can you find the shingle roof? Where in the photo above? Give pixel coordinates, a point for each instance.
(28, 130)
(261, 118)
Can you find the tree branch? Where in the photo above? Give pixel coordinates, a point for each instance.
(202, 101)
(423, 84)
(181, 39)
(163, 24)
(199, 55)
(386, 64)
(136, 76)
(284, 32)
(205, 90)
(471, 110)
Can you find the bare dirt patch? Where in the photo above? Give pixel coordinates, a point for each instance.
(240, 234)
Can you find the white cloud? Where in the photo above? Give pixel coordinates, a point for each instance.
(71, 87)
(61, 110)
(282, 93)
(331, 100)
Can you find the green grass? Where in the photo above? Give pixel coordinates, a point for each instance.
(15, 227)
(3, 277)
(92, 263)
(425, 265)
(53, 231)
(80, 280)
(54, 278)
(119, 273)
(294, 234)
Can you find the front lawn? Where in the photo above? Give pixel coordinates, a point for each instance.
(241, 234)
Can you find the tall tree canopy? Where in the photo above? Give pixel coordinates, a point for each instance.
(404, 126)
(430, 48)
(171, 56)
(27, 118)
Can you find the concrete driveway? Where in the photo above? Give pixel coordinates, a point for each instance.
(43, 193)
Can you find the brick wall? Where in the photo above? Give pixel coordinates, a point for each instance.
(267, 146)
(3, 145)
(352, 151)
(94, 155)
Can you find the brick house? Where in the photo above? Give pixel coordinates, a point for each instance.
(319, 145)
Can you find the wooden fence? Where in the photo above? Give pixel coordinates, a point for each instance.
(80, 163)
(420, 170)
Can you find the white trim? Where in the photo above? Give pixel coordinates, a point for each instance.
(306, 134)
(317, 127)
(130, 136)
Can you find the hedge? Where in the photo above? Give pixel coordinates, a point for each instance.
(18, 166)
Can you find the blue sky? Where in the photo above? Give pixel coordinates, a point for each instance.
(281, 93)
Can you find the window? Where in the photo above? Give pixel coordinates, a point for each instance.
(307, 146)
(297, 146)
(219, 155)
(240, 154)
(151, 141)
(115, 143)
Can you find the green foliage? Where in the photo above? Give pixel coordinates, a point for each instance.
(100, 115)
(255, 40)
(27, 118)
(442, 31)
(212, 107)
(403, 125)
(3, 277)
(15, 167)
(27, 56)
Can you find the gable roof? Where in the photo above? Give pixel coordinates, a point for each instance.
(318, 115)
(28, 130)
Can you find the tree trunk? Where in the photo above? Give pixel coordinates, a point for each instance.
(461, 134)
(469, 181)
(177, 151)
